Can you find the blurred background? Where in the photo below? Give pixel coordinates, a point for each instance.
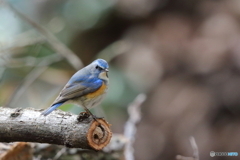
(184, 54)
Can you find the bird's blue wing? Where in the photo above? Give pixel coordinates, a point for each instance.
(78, 89)
(71, 91)
(77, 86)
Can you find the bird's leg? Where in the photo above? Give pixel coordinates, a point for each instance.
(82, 116)
(90, 113)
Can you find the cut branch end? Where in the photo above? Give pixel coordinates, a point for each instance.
(99, 134)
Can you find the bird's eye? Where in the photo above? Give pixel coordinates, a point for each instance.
(97, 67)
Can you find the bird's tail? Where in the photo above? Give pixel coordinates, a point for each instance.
(50, 109)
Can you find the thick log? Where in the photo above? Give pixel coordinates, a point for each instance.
(62, 128)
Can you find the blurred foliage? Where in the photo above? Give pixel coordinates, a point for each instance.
(183, 53)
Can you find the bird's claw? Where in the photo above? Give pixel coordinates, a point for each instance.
(82, 116)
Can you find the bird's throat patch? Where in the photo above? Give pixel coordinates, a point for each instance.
(103, 76)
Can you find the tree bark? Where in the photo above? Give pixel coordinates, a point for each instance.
(59, 127)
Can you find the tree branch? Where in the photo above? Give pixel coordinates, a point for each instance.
(194, 147)
(130, 126)
(195, 151)
(59, 127)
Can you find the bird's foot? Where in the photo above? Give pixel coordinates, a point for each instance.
(85, 115)
(82, 116)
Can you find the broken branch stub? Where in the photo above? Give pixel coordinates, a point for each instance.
(99, 134)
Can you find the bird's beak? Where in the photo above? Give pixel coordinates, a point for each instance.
(106, 70)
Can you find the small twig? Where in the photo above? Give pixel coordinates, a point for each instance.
(58, 46)
(194, 147)
(130, 126)
(60, 153)
(195, 151)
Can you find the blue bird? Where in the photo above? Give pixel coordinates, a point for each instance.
(85, 88)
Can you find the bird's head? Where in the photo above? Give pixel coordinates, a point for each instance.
(100, 67)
